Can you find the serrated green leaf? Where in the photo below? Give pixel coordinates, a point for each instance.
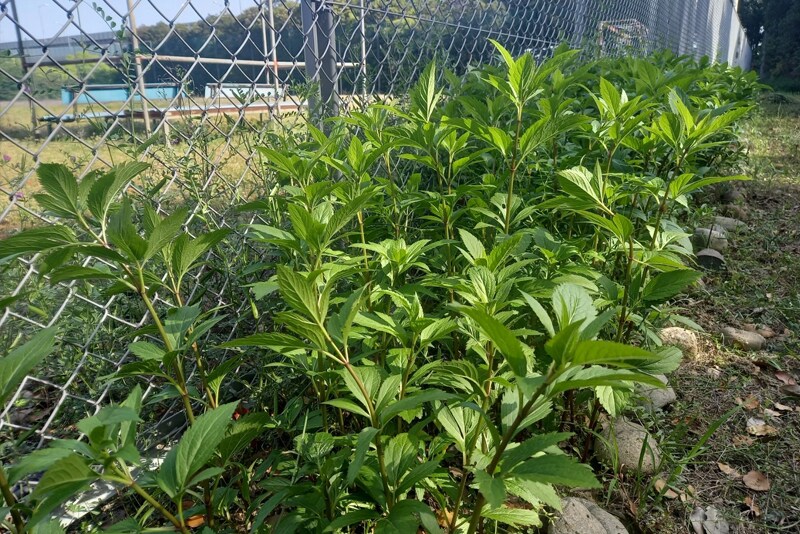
(502, 338)
(61, 190)
(351, 518)
(512, 516)
(147, 351)
(400, 455)
(592, 352)
(20, 361)
(35, 462)
(67, 477)
(36, 240)
(194, 449)
(412, 402)
(107, 187)
(664, 286)
(557, 469)
(492, 488)
(365, 438)
(406, 517)
(164, 233)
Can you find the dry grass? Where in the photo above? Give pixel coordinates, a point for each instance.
(213, 157)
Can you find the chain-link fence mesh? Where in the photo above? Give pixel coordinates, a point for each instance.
(194, 86)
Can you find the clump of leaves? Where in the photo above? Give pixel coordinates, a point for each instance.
(458, 286)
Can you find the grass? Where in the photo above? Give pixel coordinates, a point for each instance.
(760, 289)
(211, 153)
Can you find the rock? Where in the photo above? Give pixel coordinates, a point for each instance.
(622, 445)
(720, 230)
(657, 398)
(582, 516)
(684, 339)
(709, 258)
(731, 196)
(734, 210)
(766, 332)
(734, 337)
(575, 519)
(729, 223)
(708, 238)
(609, 521)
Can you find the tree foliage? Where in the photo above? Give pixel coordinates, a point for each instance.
(772, 28)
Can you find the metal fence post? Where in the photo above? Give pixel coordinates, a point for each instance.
(138, 66)
(308, 16)
(320, 56)
(26, 83)
(326, 52)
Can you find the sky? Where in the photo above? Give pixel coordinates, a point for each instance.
(47, 18)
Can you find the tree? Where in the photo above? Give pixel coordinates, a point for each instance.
(772, 29)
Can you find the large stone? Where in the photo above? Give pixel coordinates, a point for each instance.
(734, 337)
(609, 521)
(622, 446)
(735, 210)
(729, 223)
(708, 258)
(731, 196)
(684, 339)
(720, 230)
(581, 516)
(708, 238)
(657, 398)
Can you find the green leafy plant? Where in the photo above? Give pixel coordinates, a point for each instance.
(452, 290)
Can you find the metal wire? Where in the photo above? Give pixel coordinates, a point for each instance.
(234, 76)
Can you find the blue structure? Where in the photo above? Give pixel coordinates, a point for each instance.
(93, 94)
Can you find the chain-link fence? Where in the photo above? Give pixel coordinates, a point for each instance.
(194, 86)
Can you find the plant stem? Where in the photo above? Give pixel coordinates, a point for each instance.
(11, 501)
(593, 417)
(514, 164)
(552, 374)
(623, 315)
(187, 404)
(201, 367)
(158, 506)
(477, 432)
(360, 216)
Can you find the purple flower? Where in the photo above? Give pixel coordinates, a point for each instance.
(6, 158)
(19, 195)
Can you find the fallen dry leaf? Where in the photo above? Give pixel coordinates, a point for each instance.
(445, 517)
(714, 372)
(772, 413)
(697, 518)
(750, 403)
(752, 506)
(743, 441)
(786, 378)
(196, 521)
(783, 407)
(660, 484)
(756, 481)
(728, 470)
(791, 389)
(714, 522)
(758, 427)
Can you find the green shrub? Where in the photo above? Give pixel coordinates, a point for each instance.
(453, 288)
